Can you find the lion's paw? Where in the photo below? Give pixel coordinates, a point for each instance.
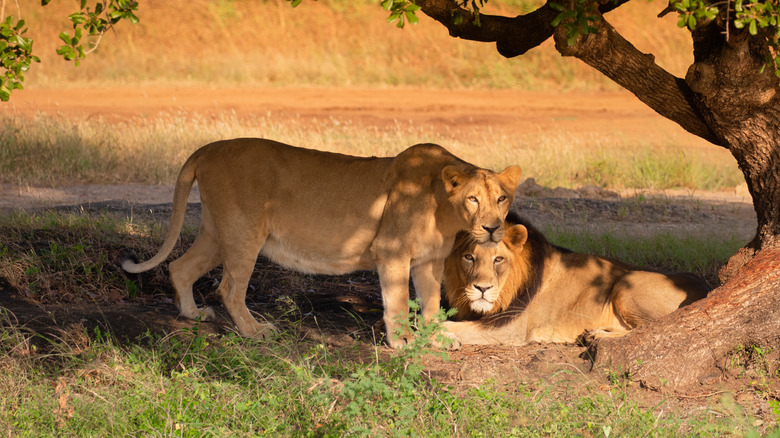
(451, 342)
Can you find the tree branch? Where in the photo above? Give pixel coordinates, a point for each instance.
(513, 36)
(606, 51)
(611, 54)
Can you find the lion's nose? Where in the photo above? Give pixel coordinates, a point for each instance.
(483, 289)
(490, 230)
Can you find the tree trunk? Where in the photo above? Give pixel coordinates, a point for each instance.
(694, 345)
(727, 98)
(740, 105)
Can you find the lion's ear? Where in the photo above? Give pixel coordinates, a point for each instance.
(517, 235)
(452, 177)
(510, 178)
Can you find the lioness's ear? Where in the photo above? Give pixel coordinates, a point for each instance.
(452, 177)
(517, 235)
(510, 178)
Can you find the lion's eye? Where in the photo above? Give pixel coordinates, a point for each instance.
(473, 199)
(469, 257)
(501, 198)
(498, 259)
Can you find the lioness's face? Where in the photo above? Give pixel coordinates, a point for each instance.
(482, 199)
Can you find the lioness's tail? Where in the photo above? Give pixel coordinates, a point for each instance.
(181, 193)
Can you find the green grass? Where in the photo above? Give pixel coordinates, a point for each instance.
(51, 150)
(189, 384)
(700, 254)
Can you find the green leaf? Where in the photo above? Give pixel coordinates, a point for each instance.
(557, 6)
(65, 38)
(457, 18)
(295, 3)
(752, 28)
(77, 18)
(5, 93)
(411, 17)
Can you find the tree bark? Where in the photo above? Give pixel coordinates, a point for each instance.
(694, 344)
(742, 105)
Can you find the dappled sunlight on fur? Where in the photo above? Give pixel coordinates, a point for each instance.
(528, 290)
(328, 213)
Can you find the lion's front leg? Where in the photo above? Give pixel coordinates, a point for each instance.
(394, 280)
(481, 333)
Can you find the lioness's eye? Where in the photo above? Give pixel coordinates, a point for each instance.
(498, 259)
(501, 198)
(469, 257)
(472, 198)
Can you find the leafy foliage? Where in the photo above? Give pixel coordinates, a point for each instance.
(401, 11)
(95, 21)
(578, 21)
(15, 55)
(92, 20)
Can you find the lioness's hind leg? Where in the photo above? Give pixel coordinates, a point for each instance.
(202, 256)
(235, 280)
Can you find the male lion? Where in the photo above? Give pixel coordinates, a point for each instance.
(523, 289)
(328, 213)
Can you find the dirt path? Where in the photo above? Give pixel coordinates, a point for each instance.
(513, 112)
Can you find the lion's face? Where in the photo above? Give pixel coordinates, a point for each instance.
(482, 199)
(478, 272)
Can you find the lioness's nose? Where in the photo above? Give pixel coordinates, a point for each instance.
(490, 230)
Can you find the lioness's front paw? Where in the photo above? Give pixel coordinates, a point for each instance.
(204, 314)
(263, 331)
(396, 341)
(256, 330)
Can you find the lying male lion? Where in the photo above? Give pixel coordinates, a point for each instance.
(524, 289)
(328, 213)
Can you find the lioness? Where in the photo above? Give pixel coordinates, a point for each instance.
(327, 213)
(524, 289)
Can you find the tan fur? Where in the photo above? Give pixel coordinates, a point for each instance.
(329, 213)
(576, 292)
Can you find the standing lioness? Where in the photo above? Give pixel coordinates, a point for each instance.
(328, 213)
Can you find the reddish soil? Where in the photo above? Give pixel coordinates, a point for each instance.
(322, 301)
(513, 112)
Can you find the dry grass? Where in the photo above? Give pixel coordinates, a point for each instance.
(50, 150)
(328, 42)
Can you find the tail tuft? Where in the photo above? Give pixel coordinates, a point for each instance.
(130, 263)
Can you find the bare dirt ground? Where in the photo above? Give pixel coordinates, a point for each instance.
(346, 309)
